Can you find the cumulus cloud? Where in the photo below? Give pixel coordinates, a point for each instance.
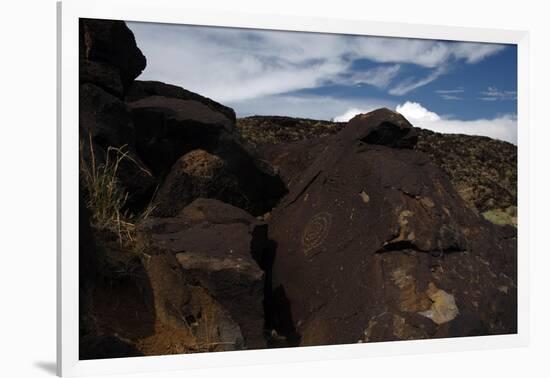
(415, 111)
(239, 64)
(503, 127)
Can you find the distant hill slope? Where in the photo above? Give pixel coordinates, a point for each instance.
(483, 170)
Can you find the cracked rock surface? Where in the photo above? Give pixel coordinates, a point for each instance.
(412, 261)
(213, 246)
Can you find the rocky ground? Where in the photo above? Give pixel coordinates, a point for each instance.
(203, 232)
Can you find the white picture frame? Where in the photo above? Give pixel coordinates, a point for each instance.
(171, 11)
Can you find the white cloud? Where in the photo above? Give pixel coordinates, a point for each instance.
(239, 64)
(503, 127)
(415, 111)
(411, 84)
(450, 91)
(450, 97)
(494, 94)
(450, 94)
(475, 52)
(422, 52)
(380, 76)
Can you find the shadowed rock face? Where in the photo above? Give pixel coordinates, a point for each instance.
(375, 244)
(109, 54)
(142, 89)
(169, 129)
(219, 248)
(105, 123)
(198, 174)
(106, 347)
(482, 170)
(109, 61)
(382, 127)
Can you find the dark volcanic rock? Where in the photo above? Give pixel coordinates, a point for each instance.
(109, 55)
(103, 75)
(168, 128)
(87, 267)
(290, 160)
(216, 246)
(106, 346)
(142, 89)
(201, 174)
(383, 127)
(109, 61)
(375, 244)
(104, 117)
(482, 170)
(197, 174)
(104, 124)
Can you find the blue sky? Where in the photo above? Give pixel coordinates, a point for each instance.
(446, 86)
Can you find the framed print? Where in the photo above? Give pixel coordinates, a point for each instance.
(274, 189)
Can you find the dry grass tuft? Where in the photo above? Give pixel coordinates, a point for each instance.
(104, 195)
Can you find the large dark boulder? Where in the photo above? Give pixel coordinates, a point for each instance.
(201, 174)
(109, 61)
(218, 248)
(374, 244)
(382, 127)
(168, 128)
(103, 75)
(290, 160)
(142, 89)
(104, 117)
(107, 134)
(109, 56)
(482, 170)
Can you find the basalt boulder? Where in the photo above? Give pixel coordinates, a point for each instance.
(201, 174)
(106, 136)
(290, 160)
(218, 248)
(375, 244)
(109, 56)
(482, 170)
(168, 128)
(142, 89)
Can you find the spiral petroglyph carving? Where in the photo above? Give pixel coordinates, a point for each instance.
(315, 231)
